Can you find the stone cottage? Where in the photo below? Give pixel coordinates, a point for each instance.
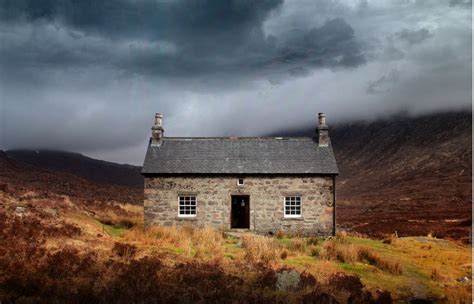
(264, 184)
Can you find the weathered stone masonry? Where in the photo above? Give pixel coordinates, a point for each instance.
(266, 201)
(242, 182)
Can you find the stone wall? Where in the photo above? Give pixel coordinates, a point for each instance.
(266, 202)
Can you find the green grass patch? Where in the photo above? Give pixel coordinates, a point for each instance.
(112, 230)
(175, 250)
(229, 256)
(284, 242)
(300, 261)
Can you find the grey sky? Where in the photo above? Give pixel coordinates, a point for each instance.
(88, 75)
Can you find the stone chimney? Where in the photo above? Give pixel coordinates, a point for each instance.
(322, 131)
(157, 131)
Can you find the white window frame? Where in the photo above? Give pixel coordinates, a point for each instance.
(179, 205)
(238, 182)
(292, 215)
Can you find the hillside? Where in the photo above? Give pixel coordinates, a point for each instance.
(406, 174)
(412, 175)
(89, 168)
(17, 177)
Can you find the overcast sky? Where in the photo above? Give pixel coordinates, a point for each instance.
(88, 75)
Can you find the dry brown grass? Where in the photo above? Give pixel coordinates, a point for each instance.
(368, 254)
(200, 243)
(297, 244)
(348, 254)
(156, 235)
(210, 242)
(351, 253)
(280, 234)
(314, 251)
(124, 250)
(259, 249)
(171, 234)
(134, 209)
(391, 239)
(458, 294)
(140, 234)
(118, 219)
(436, 275)
(328, 251)
(324, 270)
(341, 236)
(312, 240)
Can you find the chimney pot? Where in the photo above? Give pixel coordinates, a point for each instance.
(157, 130)
(322, 119)
(158, 118)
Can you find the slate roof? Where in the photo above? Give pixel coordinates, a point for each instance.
(239, 155)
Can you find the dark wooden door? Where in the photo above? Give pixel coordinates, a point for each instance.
(240, 211)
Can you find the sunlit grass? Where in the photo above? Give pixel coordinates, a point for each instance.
(429, 267)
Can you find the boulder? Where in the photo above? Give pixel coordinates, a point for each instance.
(288, 280)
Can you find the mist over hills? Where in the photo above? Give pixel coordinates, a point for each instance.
(406, 174)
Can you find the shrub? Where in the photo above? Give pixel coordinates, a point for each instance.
(297, 244)
(208, 241)
(347, 254)
(124, 250)
(280, 234)
(329, 250)
(259, 249)
(391, 239)
(314, 251)
(284, 254)
(351, 284)
(312, 241)
(378, 261)
(341, 236)
(350, 253)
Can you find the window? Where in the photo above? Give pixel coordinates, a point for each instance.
(240, 182)
(292, 206)
(187, 206)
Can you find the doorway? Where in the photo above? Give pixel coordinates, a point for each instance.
(240, 211)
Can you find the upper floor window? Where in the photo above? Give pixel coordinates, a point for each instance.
(240, 182)
(292, 206)
(187, 206)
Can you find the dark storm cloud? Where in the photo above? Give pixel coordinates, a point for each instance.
(87, 75)
(176, 38)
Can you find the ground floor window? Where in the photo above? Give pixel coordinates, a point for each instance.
(292, 206)
(187, 206)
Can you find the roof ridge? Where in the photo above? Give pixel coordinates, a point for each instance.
(241, 137)
(240, 155)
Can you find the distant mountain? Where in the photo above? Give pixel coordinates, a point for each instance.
(89, 168)
(19, 177)
(406, 174)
